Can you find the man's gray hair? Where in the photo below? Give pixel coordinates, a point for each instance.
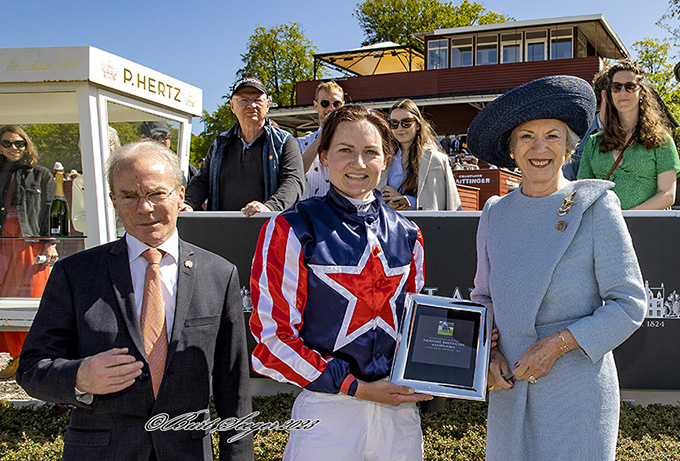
(133, 150)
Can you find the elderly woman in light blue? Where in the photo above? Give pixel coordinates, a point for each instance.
(556, 264)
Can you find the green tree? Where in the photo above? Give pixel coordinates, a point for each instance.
(673, 13)
(213, 124)
(653, 56)
(56, 142)
(397, 20)
(280, 57)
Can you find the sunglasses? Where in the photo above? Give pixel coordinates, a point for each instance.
(160, 136)
(325, 103)
(17, 144)
(405, 122)
(629, 86)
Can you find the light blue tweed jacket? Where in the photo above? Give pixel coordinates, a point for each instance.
(540, 279)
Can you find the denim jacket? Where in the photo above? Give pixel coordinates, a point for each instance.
(34, 192)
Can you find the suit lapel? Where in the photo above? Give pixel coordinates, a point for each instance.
(121, 280)
(185, 289)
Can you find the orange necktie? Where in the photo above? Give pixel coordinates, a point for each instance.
(154, 331)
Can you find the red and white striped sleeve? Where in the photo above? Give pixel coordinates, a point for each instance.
(278, 289)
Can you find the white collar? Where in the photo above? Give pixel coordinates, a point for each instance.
(136, 247)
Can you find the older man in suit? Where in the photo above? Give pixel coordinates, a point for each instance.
(134, 329)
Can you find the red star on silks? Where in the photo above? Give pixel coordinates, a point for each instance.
(371, 287)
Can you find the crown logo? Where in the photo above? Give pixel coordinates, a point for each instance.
(109, 71)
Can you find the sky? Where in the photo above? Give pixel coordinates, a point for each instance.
(201, 42)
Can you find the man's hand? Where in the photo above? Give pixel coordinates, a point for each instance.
(253, 208)
(108, 372)
(389, 393)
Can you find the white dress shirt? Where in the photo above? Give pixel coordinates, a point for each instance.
(317, 180)
(168, 269)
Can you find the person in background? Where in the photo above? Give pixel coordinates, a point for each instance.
(26, 194)
(600, 82)
(556, 264)
(635, 149)
(78, 192)
(159, 131)
(329, 97)
(419, 176)
(446, 144)
(58, 168)
(328, 283)
(140, 327)
(455, 144)
(253, 167)
(460, 161)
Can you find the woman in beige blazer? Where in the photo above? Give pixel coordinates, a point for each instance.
(419, 176)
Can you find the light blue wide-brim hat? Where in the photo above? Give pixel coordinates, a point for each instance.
(562, 97)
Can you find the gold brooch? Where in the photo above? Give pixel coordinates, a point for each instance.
(567, 204)
(561, 225)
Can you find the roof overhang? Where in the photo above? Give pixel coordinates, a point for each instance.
(588, 24)
(304, 118)
(26, 73)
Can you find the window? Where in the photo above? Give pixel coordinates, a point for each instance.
(536, 45)
(561, 44)
(438, 54)
(461, 52)
(581, 45)
(511, 47)
(487, 50)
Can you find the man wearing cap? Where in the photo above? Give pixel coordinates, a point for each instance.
(252, 167)
(159, 131)
(329, 96)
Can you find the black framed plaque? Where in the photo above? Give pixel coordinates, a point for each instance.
(443, 347)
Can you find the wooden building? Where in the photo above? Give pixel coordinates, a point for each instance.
(465, 68)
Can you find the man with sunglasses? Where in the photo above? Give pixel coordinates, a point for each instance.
(329, 97)
(252, 167)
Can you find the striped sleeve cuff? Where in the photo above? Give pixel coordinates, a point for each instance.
(349, 385)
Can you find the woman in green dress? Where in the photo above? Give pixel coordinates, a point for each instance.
(645, 175)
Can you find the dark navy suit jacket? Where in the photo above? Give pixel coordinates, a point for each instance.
(88, 307)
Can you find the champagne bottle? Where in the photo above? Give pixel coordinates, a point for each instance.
(60, 218)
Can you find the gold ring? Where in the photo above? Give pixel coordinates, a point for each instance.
(491, 388)
(532, 380)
